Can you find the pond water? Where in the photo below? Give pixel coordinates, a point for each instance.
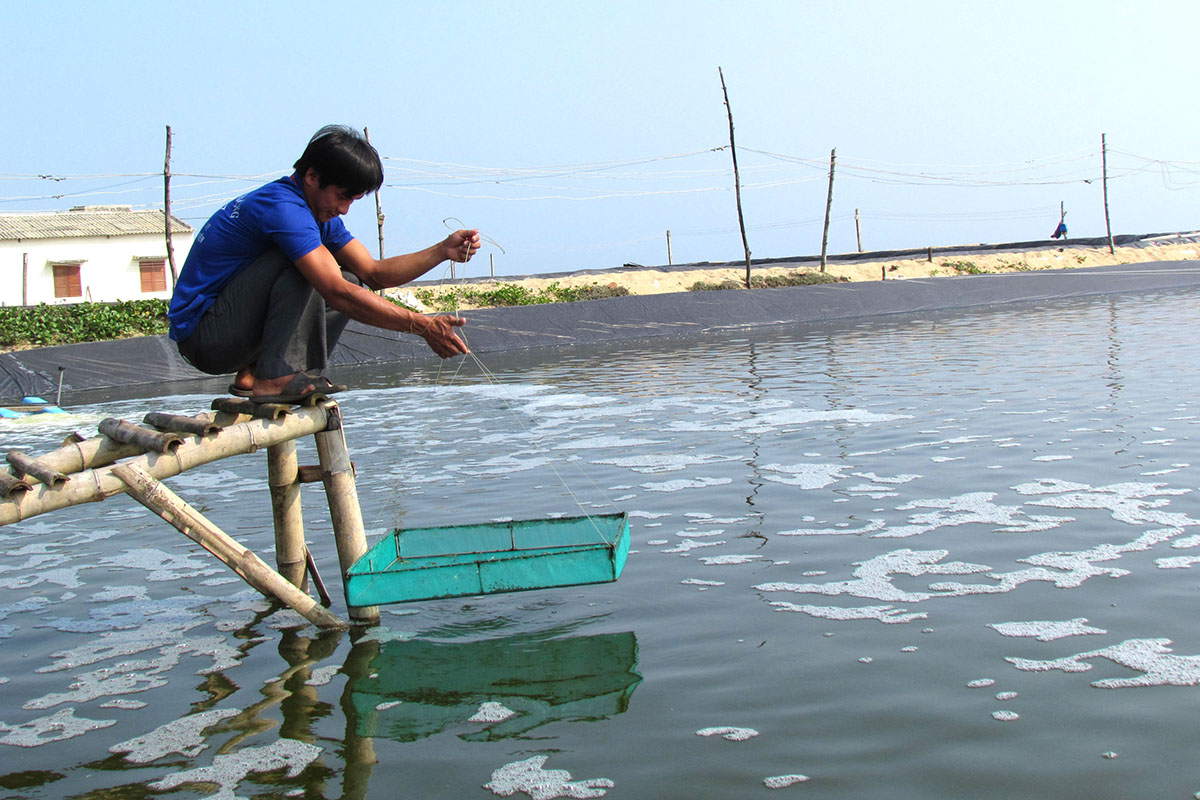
(909, 557)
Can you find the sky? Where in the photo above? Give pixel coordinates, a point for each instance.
(576, 135)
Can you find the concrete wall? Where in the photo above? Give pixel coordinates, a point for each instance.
(109, 271)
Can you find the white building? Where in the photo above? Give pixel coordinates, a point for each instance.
(98, 253)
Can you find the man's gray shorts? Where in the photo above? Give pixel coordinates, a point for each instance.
(268, 316)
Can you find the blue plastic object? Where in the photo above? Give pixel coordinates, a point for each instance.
(465, 560)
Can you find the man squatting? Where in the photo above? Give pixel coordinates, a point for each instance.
(274, 277)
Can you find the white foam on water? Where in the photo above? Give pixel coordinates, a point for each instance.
(183, 736)
(230, 769)
(870, 527)
(731, 734)
(1006, 716)
(699, 582)
(692, 533)
(889, 480)
(1186, 542)
(60, 725)
(649, 514)
(492, 712)
(944, 459)
(784, 781)
(805, 476)
(124, 703)
(1177, 562)
(865, 660)
(1109, 754)
(1046, 631)
(1151, 657)
(1002, 696)
(656, 464)
(1052, 458)
(968, 509)
(730, 560)
(528, 776)
(677, 485)
(981, 683)
(873, 578)
(162, 566)
(912, 648)
(323, 675)
(384, 706)
(690, 544)
(605, 442)
(657, 542)
(885, 614)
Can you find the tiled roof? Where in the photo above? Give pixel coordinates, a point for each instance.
(86, 221)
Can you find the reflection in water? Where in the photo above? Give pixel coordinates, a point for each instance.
(417, 688)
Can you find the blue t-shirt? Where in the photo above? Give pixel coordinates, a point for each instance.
(274, 215)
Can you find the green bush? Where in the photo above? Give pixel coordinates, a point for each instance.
(43, 325)
(770, 281)
(511, 294)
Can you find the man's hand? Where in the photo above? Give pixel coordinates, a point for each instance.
(439, 334)
(461, 245)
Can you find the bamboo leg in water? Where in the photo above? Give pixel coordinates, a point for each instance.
(282, 476)
(191, 523)
(344, 510)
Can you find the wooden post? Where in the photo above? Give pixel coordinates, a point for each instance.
(669, 261)
(1104, 168)
(378, 203)
(24, 279)
(283, 473)
(191, 523)
(348, 532)
(167, 209)
(737, 181)
(828, 207)
(858, 230)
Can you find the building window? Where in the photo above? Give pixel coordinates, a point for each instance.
(66, 281)
(154, 275)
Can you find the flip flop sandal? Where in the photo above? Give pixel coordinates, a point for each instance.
(298, 393)
(236, 392)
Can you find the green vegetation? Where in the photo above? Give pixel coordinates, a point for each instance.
(770, 281)
(512, 294)
(43, 325)
(965, 267)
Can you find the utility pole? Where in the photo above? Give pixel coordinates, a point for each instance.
(669, 261)
(1104, 166)
(858, 230)
(737, 181)
(378, 203)
(167, 210)
(828, 206)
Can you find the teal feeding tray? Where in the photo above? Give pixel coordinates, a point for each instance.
(465, 560)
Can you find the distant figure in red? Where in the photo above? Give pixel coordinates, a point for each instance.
(1061, 231)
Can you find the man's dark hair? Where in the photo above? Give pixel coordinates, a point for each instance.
(342, 156)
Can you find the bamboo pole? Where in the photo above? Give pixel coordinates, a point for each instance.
(737, 181)
(23, 465)
(348, 532)
(283, 479)
(191, 523)
(828, 207)
(1104, 167)
(167, 209)
(100, 483)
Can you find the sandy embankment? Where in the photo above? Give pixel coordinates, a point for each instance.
(656, 281)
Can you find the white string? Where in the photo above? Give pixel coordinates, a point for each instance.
(491, 378)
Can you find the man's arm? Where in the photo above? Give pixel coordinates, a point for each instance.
(399, 270)
(321, 269)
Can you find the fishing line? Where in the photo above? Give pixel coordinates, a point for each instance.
(504, 396)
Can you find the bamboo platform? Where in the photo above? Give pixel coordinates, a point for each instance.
(134, 459)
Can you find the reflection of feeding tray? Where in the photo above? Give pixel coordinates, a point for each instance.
(419, 688)
(462, 560)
